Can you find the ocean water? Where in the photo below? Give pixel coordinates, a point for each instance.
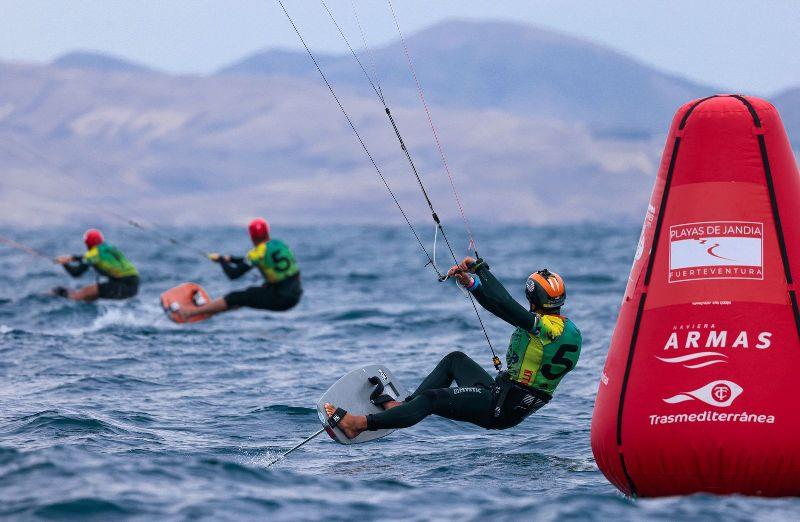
(111, 412)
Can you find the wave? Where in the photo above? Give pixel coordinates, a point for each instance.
(5, 329)
(238, 470)
(355, 314)
(360, 276)
(285, 409)
(127, 315)
(20, 471)
(7, 454)
(82, 508)
(58, 424)
(118, 382)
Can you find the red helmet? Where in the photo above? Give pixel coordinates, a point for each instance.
(92, 238)
(259, 230)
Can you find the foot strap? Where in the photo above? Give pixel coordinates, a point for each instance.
(377, 397)
(337, 417)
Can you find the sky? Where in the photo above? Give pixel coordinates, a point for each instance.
(735, 45)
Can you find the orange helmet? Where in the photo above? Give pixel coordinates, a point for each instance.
(545, 289)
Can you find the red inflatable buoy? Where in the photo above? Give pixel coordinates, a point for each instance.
(699, 389)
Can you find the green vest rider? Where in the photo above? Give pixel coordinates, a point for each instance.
(544, 347)
(110, 263)
(107, 260)
(276, 263)
(540, 360)
(274, 260)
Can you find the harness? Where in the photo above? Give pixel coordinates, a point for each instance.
(511, 397)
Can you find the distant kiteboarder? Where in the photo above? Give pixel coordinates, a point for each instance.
(117, 277)
(276, 262)
(543, 349)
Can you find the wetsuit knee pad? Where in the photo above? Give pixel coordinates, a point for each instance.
(456, 355)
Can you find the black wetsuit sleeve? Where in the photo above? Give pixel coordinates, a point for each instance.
(76, 267)
(493, 296)
(235, 268)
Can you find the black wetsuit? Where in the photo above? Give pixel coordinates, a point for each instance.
(492, 403)
(277, 297)
(473, 400)
(282, 289)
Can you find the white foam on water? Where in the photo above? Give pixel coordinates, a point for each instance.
(126, 315)
(5, 329)
(261, 458)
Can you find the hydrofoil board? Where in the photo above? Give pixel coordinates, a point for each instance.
(352, 392)
(182, 297)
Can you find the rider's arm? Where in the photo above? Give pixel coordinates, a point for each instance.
(76, 267)
(493, 296)
(236, 267)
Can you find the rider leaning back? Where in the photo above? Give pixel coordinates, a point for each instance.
(544, 347)
(117, 277)
(272, 257)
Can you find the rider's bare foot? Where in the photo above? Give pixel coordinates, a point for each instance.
(351, 425)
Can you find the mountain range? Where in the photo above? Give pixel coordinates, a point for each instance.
(537, 126)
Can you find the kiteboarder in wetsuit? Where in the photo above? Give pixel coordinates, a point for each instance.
(544, 347)
(281, 290)
(118, 278)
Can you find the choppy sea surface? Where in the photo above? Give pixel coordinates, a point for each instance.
(109, 411)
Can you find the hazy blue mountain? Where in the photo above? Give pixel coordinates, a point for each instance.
(509, 67)
(281, 62)
(788, 104)
(537, 128)
(97, 62)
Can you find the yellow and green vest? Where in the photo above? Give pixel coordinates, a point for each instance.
(274, 259)
(540, 359)
(109, 261)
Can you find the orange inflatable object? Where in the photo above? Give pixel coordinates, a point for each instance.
(698, 390)
(184, 296)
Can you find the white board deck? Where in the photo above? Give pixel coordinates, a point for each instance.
(351, 392)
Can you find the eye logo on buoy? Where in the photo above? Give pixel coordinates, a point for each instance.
(716, 250)
(721, 392)
(717, 393)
